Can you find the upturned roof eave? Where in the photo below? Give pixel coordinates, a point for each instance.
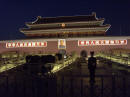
(36, 24)
(28, 29)
(66, 30)
(62, 18)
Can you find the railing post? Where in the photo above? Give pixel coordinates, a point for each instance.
(81, 87)
(62, 86)
(24, 87)
(56, 85)
(7, 88)
(33, 88)
(113, 85)
(71, 84)
(124, 86)
(15, 86)
(102, 86)
(47, 87)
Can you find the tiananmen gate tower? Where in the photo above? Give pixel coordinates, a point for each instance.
(68, 33)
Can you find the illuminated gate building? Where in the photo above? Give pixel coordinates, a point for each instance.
(69, 33)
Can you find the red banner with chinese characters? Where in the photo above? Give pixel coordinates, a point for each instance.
(101, 42)
(25, 44)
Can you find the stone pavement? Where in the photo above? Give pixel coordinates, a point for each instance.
(72, 81)
(109, 82)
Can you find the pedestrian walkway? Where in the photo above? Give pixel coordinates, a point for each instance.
(71, 81)
(75, 78)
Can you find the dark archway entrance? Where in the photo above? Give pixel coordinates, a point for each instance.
(83, 53)
(62, 51)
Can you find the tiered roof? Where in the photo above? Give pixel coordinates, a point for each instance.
(69, 24)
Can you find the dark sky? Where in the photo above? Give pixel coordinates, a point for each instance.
(14, 13)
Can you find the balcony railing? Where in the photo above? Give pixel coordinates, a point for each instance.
(64, 86)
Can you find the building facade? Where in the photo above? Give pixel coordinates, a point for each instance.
(69, 26)
(71, 34)
(51, 46)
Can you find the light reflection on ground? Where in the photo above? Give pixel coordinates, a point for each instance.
(125, 61)
(7, 66)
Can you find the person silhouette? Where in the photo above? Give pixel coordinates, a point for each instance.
(92, 62)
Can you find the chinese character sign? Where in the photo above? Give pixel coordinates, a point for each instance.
(25, 44)
(101, 42)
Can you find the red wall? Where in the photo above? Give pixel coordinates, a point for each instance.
(71, 45)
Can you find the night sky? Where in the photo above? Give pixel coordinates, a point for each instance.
(14, 14)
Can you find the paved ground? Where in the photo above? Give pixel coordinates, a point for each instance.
(108, 80)
(72, 81)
